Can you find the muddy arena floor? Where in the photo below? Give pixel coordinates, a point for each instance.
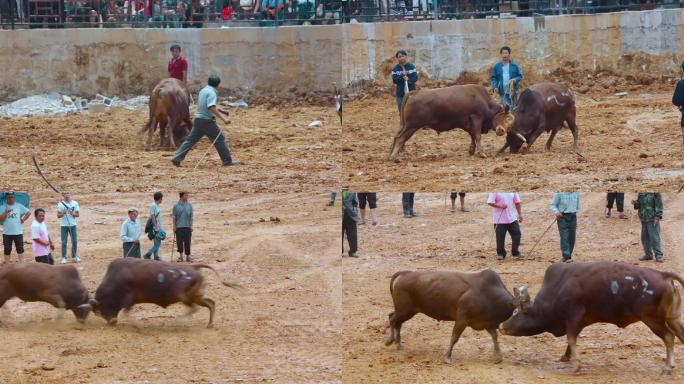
(440, 240)
(630, 143)
(105, 153)
(283, 327)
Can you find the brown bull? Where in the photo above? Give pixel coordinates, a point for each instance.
(543, 107)
(169, 108)
(476, 300)
(468, 107)
(574, 296)
(60, 286)
(131, 281)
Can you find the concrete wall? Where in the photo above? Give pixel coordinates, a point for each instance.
(631, 42)
(275, 60)
(131, 61)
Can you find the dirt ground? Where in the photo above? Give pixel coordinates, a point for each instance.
(104, 153)
(629, 143)
(284, 327)
(440, 240)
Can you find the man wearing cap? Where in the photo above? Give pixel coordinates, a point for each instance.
(205, 125)
(12, 216)
(67, 212)
(130, 234)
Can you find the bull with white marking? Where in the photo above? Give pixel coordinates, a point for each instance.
(131, 281)
(543, 107)
(574, 296)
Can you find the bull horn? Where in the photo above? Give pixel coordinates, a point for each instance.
(521, 137)
(85, 306)
(93, 302)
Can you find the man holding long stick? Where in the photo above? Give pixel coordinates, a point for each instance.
(565, 206)
(67, 212)
(205, 125)
(130, 234)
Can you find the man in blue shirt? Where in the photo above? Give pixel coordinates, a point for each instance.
(565, 206)
(205, 125)
(402, 73)
(506, 75)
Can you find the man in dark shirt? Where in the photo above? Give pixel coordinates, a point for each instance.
(401, 73)
(678, 100)
(178, 67)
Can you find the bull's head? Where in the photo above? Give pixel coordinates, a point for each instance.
(81, 312)
(105, 311)
(503, 121)
(516, 141)
(521, 323)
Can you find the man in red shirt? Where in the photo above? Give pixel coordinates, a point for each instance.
(178, 67)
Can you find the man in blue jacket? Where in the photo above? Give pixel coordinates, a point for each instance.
(678, 97)
(503, 73)
(401, 73)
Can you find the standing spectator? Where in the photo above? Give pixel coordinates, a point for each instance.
(371, 198)
(650, 208)
(505, 220)
(12, 217)
(154, 226)
(401, 73)
(182, 226)
(565, 206)
(178, 67)
(349, 218)
(270, 9)
(331, 200)
(619, 199)
(205, 125)
(678, 99)
(407, 203)
(130, 234)
(461, 196)
(67, 212)
(40, 239)
(505, 77)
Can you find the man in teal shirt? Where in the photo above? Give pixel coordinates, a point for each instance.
(205, 125)
(565, 206)
(12, 216)
(182, 226)
(350, 216)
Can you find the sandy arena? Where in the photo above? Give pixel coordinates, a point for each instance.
(104, 153)
(284, 327)
(629, 143)
(440, 240)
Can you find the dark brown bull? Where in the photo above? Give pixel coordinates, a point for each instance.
(131, 281)
(477, 300)
(169, 108)
(574, 296)
(543, 107)
(60, 286)
(468, 107)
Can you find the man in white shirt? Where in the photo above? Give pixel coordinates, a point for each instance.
(67, 212)
(12, 216)
(130, 234)
(506, 216)
(40, 239)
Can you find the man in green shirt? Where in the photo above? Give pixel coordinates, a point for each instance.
(565, 206)
(182, 226)
(650, 208)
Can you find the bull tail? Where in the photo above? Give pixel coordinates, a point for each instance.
(393, 278)
(404, 101)
(673, 276)
(225, 283)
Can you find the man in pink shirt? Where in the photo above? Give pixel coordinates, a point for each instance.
(41, 243)
(506, 219)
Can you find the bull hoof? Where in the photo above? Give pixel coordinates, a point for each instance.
(447, 359)
(112, 322)
(210, 325)
(666, 371)
(389, 341)
(564, 359)
(576, 366)
(482, 155)
(399, 347)
(497, 359)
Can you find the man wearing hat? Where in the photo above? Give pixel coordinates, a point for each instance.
(12, 216)
(130, 234)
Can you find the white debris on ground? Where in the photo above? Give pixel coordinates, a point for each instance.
(48, 104)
